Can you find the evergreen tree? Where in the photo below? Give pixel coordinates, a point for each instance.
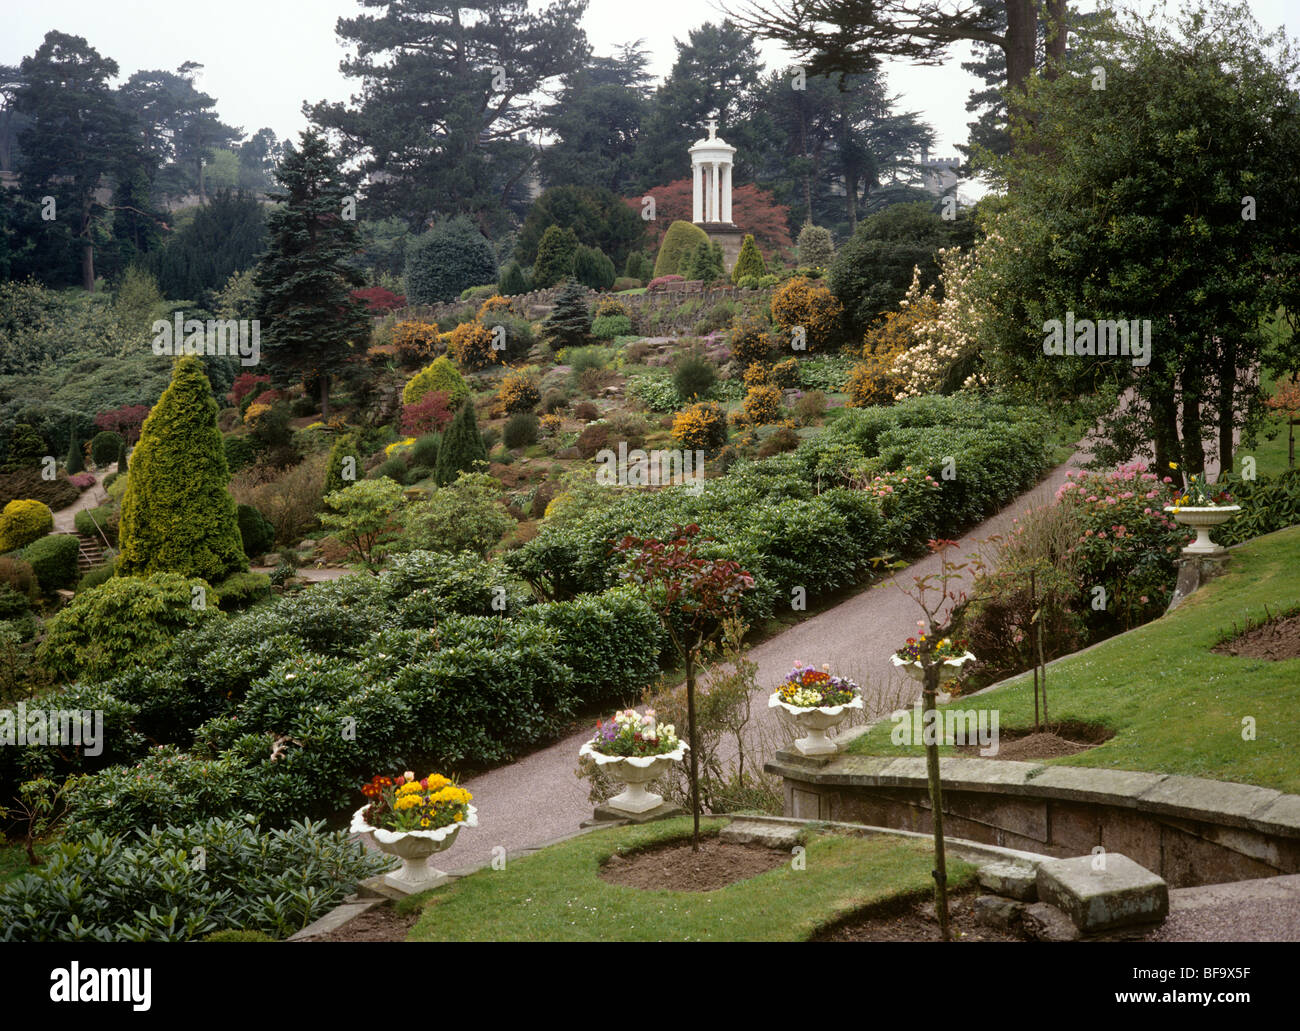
(76, 463)
(512, 281)
(448, 258)
(591, 268)
(121, 457)
(462, 446)
(705, 262)
(750, 260)
(224, 238)
(555, 256)
(815, 247)
(177, 515)
(346, 447)
(569, 324)
(306, 277)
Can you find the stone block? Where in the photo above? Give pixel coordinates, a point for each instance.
(1119, 894)
(1048, 924)
(782, 836)
(992, 911)
(1014, 880)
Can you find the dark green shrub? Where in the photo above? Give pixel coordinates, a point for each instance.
(241, 590)
(749, 262)
(607, 327)
(92, 522)
(694, 376)
(515, 333)
(1267, 503)
(417, 473)
(255, 531)
(239, 453)
(591, 268)
(679, 242)
(425, 450)
(95, 577)
(444, 261)
(555, 256)
(393, 468)
(75, 462)
(569, 324)
(554, 400)
(512, 281)
(462, 446)
(105, 447)
(521, 430)
(54, 561)
(29, 484)
(344, 464)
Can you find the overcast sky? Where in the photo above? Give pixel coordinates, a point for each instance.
(263, 58)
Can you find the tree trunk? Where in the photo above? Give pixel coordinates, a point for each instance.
(1193, 429)
(324, 397)
(1227, 405)
(1057, 33)
(1164, 428)
(88, 266)
(940, 872)
(1020, 44)
(695, 762)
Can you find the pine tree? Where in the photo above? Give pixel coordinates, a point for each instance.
(569, 324)
(749, 262)
(75, 463)
(306, 276)
(512, 281)
(462, 446)
(177, 515)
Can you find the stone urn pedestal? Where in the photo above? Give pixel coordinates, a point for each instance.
(413, 848)
(635, 803)
(1203, 519)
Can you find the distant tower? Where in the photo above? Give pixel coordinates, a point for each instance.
(711, 163)
(938, 175)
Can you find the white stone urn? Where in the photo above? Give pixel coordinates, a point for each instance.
(635, 771)
(1202, 518)
(949, 670)
(413, 848)
(815, 721)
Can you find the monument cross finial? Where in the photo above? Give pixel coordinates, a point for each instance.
(712, 123)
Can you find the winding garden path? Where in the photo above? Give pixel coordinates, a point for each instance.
(540, 797)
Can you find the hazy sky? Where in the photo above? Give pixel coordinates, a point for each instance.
(263, 58)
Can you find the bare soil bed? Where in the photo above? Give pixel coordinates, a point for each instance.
(1053, 741)
(1275, 640)
(913, 920)
(380, 923)
(677, 868)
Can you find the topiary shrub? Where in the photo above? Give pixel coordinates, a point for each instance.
(462, 447)
(440, 375)
(592, 268)
(448, 258)
(679, 242)
(816, 249)
(555, 255)
(751, 341)
(694, 376)
(518, 392)
(105, 446)
(255, 530)
(763, 405)
(94, 522)
(749, 262)
(701, 427)
(177, 515)
(470, 344)
(75, 462)
(54, 561)
(22, 522)
(521, 430)
(800, 303)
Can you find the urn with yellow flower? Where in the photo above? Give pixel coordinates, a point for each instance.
(412, 819)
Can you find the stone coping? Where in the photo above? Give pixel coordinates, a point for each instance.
(1195, 798)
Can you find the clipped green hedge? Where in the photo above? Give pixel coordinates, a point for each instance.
(54, 561)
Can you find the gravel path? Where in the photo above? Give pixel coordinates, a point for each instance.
(1265, 910)
(540, 797)
(65, 518)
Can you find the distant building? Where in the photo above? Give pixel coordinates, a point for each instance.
(938, 175)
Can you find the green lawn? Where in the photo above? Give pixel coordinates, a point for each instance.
(1176, 707)
(556, 895)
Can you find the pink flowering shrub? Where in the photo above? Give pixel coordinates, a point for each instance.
(82, 481)
(1126, 542)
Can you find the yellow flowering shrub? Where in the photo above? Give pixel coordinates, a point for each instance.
(255, 412)
(756, 375)
(415, 341)
(470, 344)
(518, 392)
(494, 303)
(800, 302)
(785, 374)
(608, 306)
(701, 427)
(398, 445)
(751, 341)
(551, 424)
(763, 404)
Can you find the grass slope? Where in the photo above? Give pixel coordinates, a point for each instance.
(1175, 706)
(556, 895)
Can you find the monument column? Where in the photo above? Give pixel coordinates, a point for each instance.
(726, 192)
(715, 194)
(697, 196)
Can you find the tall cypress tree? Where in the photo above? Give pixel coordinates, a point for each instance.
(462, 446)
(177, 515)
(75, 462)
(305, 277)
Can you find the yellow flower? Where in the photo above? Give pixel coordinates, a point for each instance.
(1173, 465)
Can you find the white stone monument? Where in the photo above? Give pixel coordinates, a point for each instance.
(711, 163)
